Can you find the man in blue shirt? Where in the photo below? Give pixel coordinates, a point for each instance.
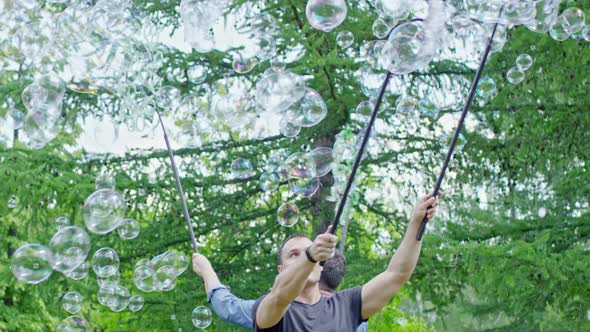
(238, 311)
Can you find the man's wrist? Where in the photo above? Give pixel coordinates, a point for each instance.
(309, 255)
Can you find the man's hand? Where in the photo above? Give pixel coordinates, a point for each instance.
(324, 246)
(425, 206)
(201, 265)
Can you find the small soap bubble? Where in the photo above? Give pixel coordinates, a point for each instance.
(105, 262)
(136, 303)
(105, 181)
(365, 109)
(515, 75)
(129, 229)
(168, 97)
(72, 302)
(12, 203)
(325, 15)
(104, 211)
(80, 272)
(197, 74)
(110, 281)
(574, 20)
(62, 222)
(122, 297)
(406, 105)
(486, 87)
(459, 145)
(243, 65)
(30, 263)
(524, 61)
(106, 296)
(269, 181)
(542, 212)
(202, 317)
(428, 108)
(73, 323)
(288, 214)
(241, 168)
(344, 39)
(143, 278)
(304, 186)
(288, 129)
(380, 29)
(560, 30)
(323, 158)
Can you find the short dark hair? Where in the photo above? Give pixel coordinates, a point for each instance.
(333, 272)
(280, 252)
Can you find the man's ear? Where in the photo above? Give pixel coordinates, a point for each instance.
(280, 268)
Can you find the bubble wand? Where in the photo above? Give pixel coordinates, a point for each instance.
(187, 216)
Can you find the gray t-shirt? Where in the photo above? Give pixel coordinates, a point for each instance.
(339, 313)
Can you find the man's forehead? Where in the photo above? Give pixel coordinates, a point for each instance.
(297, 243)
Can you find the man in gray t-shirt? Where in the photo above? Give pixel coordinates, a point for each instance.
(295, 303)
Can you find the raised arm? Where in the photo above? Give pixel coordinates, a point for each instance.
(377, 292)
(291, 281)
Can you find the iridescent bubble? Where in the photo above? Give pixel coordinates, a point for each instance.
(197, 74)
(515, 75)
(300, 165)
(243, 65)
(143, 278)
(129, 229)
(448, 139)
(80, 272)
(269, 181)
(105, 181)
(122, 297)
(486, 87)
(69, 248)
(325, 15)
(106, 296)
(273, 162)
(12, 203)
(30, 263)
(323, 158)
(201, 317)
(105, 262)
(62, 222)
(241, 168)
(308, 111)
(72, 302)
(344, 39)
(560, 30)
(110, 281)
(136, 303)
(428, 108)
(380, 29)
(73, 324)
(277, 91)
(288, 129)
(542, 212)
(168, 97)
(574, 18)
(104, 211)
(524, 61)
(304, 186)
(288, 214)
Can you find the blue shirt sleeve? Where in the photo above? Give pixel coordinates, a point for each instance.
(229, 307)
(364, 327)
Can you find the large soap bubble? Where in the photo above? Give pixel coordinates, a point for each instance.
(69, 248)
(30, 263)
(121, 300)
(104, 211)
(405, 50)
(325, 15)
(309, 110)
(165, 278)
(202, 317)
(288, 214)
(143, 278)
(73, 324)
(277, 91)
(105, 262)
(173, 258)
(72, 302)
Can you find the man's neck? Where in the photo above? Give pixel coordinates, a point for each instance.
(310, 294)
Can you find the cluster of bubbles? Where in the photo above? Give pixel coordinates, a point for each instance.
(159, 273)
(516, 74)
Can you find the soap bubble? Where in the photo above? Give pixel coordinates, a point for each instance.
(344, 39)
(173, 258)
(168, 97)
(136, 303)
(12, 203)
(269, 181)
(129, 229)
(165, 278)
(72, 302)
(110, 281)
(486, 87)
(73, 324)
(104, 211)
(396, 10)
(30, 263)
(524, 61)
(372, 52)
(241, 168)
(448, 139)
(106, 296)
(307, 111)
(365, 109)
(407, 49)
(277, 91)
(243, 65)
(380, 28)
(105, 262)
(560, 31)
(62, 222)
(304, 186)
(288, 214)
(542, 212)
(45, 91)
(80, 272)
(515, 75)
(574, 20)
(105, 181)
(288, 129)
(323, 158)
(407, 106)
(273, 162)
(544, 19)
(122, 297)
(325, 15)
(266, 46)
(428, 108)
(143, 278)
(513, 12)
(69, 248)
(299, 165)
(202, 317)
(586, 33)
(197, 74)
(42, 124)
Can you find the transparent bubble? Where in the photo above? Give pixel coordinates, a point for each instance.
(288, 214)
(397, 10)
(106, 296)
(122, 297)
(325, 15)
(380, 29)
(136, 303)
(544, 19)
(448, 139)
(202, 317)
(171, 258)
(308, 111)
(241, 168)
(288, 129)
(73, 324)
(243, 65)
(372, 52)
(42, 124)
(143, 278)
(69, 248)
(168, 97)
(500, 39)
(323, 158)
(524, 61)
(299, 165)
(486, 87)
(428, 108)
(105, 181)
(46, 90)
(542, 212)
(560, 30)
(269, 181)
(72, 302)
(406, 105)
(344, 39)
(62, 222)
(165, 277)
(515, 75)
(80, 272)
(104, 211)
(105, 262)
(365, 109)
(407, 49)
(197, 74)
(12, 203)
(304, 186)
(266, 46)
(30, 263)
(575, 19)
(129, 229)
(110, 281)
(586, 33)
(277, 91)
